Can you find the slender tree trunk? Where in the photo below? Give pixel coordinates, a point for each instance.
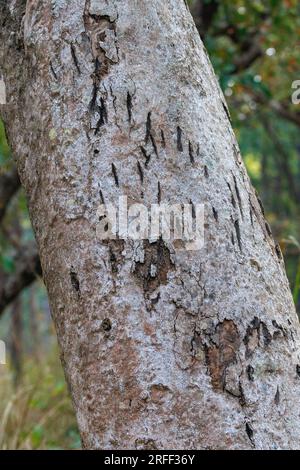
(16, 328)
(33, 324)
(162, 348)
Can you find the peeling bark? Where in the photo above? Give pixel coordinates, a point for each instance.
(110, 98)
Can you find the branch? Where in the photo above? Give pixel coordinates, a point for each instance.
(278, 107)
(28, 268)
(9, 185)
(250, 55)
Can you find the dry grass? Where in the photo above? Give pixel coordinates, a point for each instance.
(38, 413)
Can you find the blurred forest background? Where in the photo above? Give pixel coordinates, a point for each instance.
(255, 49)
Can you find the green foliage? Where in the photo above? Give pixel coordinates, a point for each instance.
(4, 148)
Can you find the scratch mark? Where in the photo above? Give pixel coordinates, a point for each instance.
(114, 171)
(154, 145)
(179, 139)
(158, 193)
(163, 140)
(148, 128)
(238, 233)
(140, 170)
(146, 156)
(74, 57)
(191, 153)
(129, 106)
(53, 71)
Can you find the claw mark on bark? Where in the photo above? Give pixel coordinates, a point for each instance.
(75, 281)
(193, 209)
(250, 373)
(101, 197)
(74, 57)
(237, 154)
(216, 215)
(140, 170)
(93, 107)
(191, 153)
(154, 145)
(115, 174)
(226, 111)
(158, 193)
(238, 234)
(129, 107)
(238, 196)
(93, 102)
(148, 128)
(116, 258)
(53, 71)
(232, 196)
(163, 140)
(278, 251)
(179, 139)
(146, 156)
(277, 397)
(239, 394)
(250, 433)
(103, 115)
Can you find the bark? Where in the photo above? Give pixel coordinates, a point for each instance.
(113, 98)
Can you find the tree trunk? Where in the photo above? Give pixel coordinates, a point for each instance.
(110, 98)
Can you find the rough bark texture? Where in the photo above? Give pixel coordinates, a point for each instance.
(206, 354)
